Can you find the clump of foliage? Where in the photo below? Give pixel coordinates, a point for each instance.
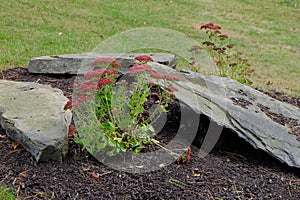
(228, 62)
(118, 122)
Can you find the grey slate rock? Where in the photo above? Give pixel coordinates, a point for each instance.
(215, 97)
(33, 115)
(75, 63)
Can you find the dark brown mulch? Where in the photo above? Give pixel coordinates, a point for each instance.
(232, 171)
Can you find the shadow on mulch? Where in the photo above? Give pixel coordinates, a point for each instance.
(233, 170)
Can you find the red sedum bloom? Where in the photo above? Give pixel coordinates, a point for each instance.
(82, 99)
(171, 88)
(140, 68)
(105, 81)
(144, 58)
(164, 76)
(211, 26)
(68, 105)
(72, 129)
(94, 74)
(88, 86)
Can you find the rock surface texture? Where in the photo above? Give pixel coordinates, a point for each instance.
(75, 63)
(242, 109)
(33, 115)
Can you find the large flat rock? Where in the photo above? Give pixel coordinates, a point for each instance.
(242, 109)
(74, 63)
(33, 115)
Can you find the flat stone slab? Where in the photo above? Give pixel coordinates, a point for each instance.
(72, 63)
(33, 115)
(241, 109)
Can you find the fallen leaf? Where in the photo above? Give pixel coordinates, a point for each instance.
(18, 181)
(15, 144)
(23, 174)
(95, 176)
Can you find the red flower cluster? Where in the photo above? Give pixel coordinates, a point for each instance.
(170, 94)
(140, 68)
(144, 58)
(96, 74)
(211, 26)
(105, 81)
(164, 76)
(171, 88)
(82, 98)
(107, 61)
(88, 86)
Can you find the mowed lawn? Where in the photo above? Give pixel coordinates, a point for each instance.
(267, 32)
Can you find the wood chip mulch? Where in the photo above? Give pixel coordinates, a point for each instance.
(231, 171)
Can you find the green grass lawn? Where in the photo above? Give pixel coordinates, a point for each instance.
(6, 194)
(268, 32)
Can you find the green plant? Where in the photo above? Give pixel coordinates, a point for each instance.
(120, 121)
(228, 62)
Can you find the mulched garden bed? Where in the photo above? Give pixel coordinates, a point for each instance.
(228, 172)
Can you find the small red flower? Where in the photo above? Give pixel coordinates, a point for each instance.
(106, 61)
(144, 58)
(140, 68)
(171, 88)
(110, 71)
(88, 86)
(157, 76)
(171, 78)
(81, 99)
(105, 81)
(210, 26)
(74, 85)
(72, 129)
(187, 156)
(115, 64)
(170, 94)
(68, 105)
(94, 74)
(164, 76)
